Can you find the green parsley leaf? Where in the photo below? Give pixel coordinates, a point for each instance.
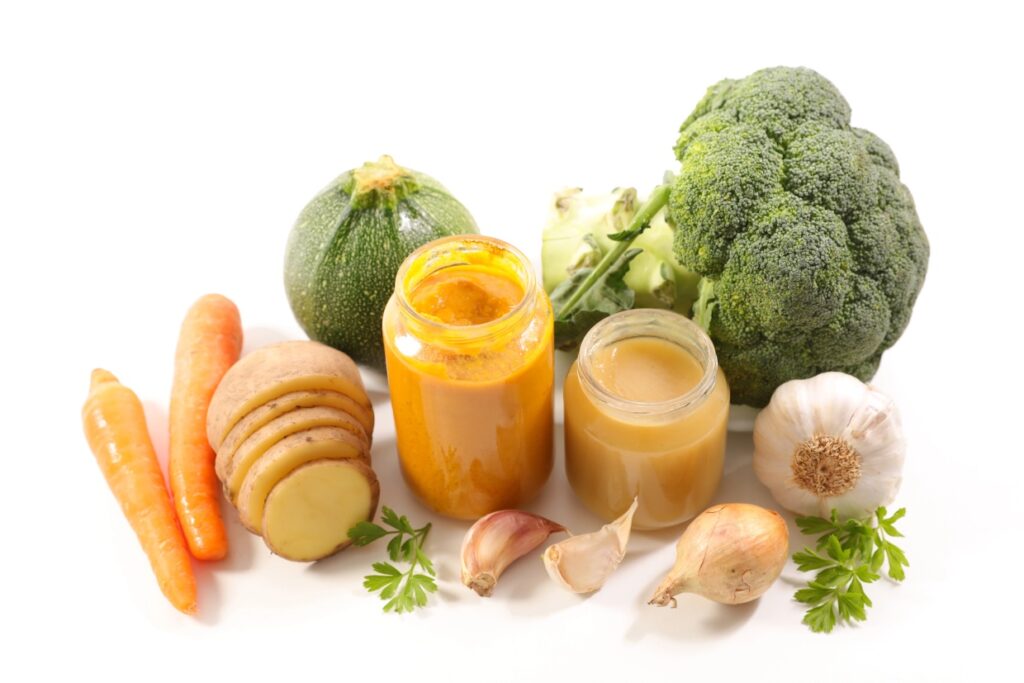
(849, 554)
(813, 594)
(851, 606)
(834, 576)
(386, 569)
(405, 590)
(807, 560)
(821, 619)
(813, 526)
(365, 533)
(835, 549)
(877, 559)
(897, 560)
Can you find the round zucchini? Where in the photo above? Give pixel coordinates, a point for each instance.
(347, 244)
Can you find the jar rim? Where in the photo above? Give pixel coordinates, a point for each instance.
(476, 332)
(661, 324)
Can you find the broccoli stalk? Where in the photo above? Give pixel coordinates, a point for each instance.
(704, 307)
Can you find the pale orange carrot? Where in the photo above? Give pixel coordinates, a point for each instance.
(115, 427)
(210, 343)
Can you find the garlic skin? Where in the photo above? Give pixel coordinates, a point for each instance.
(830, 442)
(583, 563)
(729, 553)
(497, 540)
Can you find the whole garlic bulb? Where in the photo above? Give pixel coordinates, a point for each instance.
(830, 442)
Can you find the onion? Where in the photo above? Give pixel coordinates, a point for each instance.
(730, 554)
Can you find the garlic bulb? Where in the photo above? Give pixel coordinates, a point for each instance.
(583, 563)
(830, 442)
(497, 540)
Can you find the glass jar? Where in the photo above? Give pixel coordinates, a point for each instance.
(469, 345)
(646, 414)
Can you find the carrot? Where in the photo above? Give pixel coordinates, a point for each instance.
(115, 427)
(209, 343)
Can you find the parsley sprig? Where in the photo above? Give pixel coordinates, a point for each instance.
(404, 590)
(848, 555)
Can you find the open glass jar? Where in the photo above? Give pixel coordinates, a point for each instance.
(468, 340)
(646, 414)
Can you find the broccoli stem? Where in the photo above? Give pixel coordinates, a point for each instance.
(641, 221)
(704, 307)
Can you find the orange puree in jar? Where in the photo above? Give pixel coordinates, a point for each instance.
(468, 338)
(466, 295)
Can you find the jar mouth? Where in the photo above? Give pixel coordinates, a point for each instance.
(659, 324)
(461, 250)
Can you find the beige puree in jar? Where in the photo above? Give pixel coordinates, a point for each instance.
(646, 412)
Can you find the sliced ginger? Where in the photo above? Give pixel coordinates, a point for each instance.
(249, 451)
(288, 454)
(273, 371)
(308, 513)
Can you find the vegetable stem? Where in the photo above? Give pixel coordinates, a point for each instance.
(704, 307)
(641, 221)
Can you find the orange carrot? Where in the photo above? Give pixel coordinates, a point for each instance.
(210, 343)
(115, 427)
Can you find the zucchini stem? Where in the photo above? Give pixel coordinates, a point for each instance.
(381, 182)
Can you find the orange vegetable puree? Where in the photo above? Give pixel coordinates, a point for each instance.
(471, 375)
(466, 295)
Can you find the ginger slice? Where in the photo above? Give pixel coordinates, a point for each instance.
(272, 371)
(308, 514)
(287, 455)
(298, 420)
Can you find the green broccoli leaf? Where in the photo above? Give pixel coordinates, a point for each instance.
(609, 294)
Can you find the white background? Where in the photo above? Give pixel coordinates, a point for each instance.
(151, 154)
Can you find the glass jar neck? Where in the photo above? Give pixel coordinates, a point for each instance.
(651, 323)
(465, 250)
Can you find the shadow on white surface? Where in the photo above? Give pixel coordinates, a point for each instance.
(694, 618)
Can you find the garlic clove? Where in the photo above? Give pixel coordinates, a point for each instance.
(583, 563)
(497, 540)
(833, 398)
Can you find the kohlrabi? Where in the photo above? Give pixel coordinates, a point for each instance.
(581, 230)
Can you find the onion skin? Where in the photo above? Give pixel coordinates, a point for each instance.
(730, 553)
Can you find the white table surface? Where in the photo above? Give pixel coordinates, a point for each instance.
(148, 156)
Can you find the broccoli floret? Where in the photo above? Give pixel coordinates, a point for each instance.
(810, 245)
(727, 175)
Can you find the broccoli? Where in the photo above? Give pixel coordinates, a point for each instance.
(809, 248)
(810, 242)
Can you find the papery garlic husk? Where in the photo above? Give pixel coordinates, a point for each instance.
(497, 540)
(830, 442)
(729, 553)
(583, 563)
